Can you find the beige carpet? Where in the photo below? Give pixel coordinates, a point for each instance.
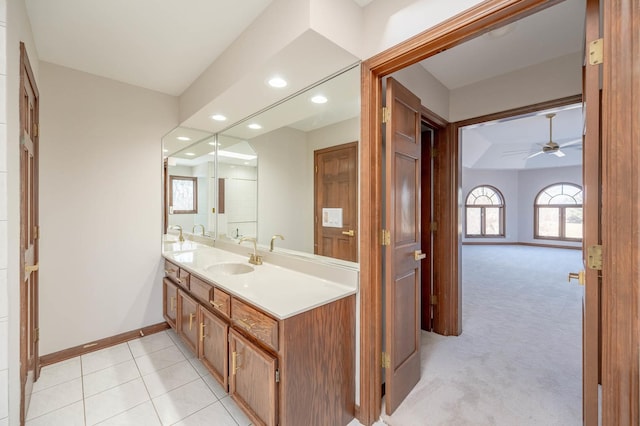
(518, 360)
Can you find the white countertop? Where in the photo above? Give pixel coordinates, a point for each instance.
(278, 291)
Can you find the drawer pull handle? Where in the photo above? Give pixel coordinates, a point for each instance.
(246, 323)
(202, 331)
(173, 303)
(169, 271)
(191, 317)
(216, 305)
(179, 280)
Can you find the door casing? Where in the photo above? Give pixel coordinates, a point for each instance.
(620, 366)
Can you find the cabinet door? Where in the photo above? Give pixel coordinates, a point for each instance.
(170, 305)
(188, 320)
(212, 350)
(252, 381)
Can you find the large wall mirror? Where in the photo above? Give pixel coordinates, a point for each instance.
(289, 171)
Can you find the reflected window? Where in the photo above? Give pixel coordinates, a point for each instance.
(558, 212)
(484, 213)
(184, 195)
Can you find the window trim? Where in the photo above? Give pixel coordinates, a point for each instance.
(502, 214)
(561, 212)
(192, 179)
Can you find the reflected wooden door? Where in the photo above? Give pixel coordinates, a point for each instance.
(591, 329)
(336, 193)
(403, 255)
(29, 332)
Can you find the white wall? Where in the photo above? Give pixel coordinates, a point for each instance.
(4, 294)
(100, 203)
(549, 80)
(282, 184)
(530, 182)
(18, 28)
(506, 181)
(519, 188)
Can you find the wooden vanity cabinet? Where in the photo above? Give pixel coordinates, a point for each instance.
(296, 371)
(187, 324)
(212, 350)
(176, 274)
(253, 379)
(170, 302)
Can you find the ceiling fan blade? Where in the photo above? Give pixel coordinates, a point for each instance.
(559, 153)
(535, 154)
(571, 143)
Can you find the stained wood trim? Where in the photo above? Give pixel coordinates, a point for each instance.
(96, 345)
(471, 23)
(621, 213)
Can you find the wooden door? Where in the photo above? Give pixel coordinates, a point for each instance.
(252, 381)
(403, 252)
(188, 320)
(170, 299)
(29, 231)
(212, 350)
(592, 228)
(336, 195)
(427, 136)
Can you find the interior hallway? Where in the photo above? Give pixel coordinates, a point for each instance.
(519, 358)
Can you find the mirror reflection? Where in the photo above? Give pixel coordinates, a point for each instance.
(286, 176)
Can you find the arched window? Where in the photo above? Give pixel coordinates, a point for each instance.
(558, 212)
(484, 212)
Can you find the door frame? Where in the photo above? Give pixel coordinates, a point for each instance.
(621, 156)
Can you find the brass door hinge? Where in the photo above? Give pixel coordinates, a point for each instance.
(433, 152)
(36, 232)
(277, 376)
(386, 115)
(35, 130)
(433, 226)
(316, 169)
(386, 237)
(385, 360)
(596, 52)
(434, 299)
(36, 335)
(594, 257)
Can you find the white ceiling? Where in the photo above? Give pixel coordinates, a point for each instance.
(551, 33)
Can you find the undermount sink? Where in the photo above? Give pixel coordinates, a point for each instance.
(230, 268)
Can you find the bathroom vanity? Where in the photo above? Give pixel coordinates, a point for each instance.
(280, 341)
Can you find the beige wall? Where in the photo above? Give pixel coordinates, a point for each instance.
(100, 203)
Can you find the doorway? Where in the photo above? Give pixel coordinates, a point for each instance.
(449, 34)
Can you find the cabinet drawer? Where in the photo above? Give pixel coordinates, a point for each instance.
(200, 289)
(259, 325)
(221, 302)
(176, 274)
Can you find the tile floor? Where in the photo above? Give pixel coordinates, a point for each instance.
(154, 380)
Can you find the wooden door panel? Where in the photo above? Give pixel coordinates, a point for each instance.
(591, 330)
(402, 218)
(252, 383)
(213, 349)
(188, 320)
(170, 305)
(29, 221)
(336, 187)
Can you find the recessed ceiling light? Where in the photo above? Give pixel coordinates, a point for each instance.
(214, 143)
(165, 150)
(277, 82)
(218, 117)
(319, 99)
(190, 154)
(254, 126)
(183, 138)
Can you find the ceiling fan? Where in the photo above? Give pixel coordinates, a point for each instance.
(551, 147)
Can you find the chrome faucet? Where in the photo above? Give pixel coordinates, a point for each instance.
(254, 258)
(179, 228)
(193, 231)
(273, 240)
